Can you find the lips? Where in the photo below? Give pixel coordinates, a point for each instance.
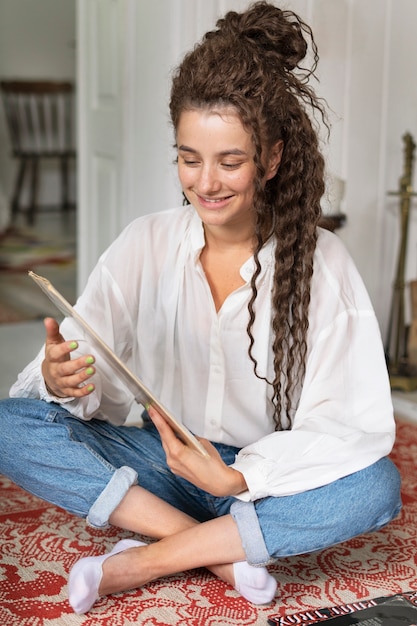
(213, 202)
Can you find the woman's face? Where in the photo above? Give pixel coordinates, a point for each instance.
(216, 166)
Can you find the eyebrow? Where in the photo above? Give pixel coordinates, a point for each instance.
(232, 151)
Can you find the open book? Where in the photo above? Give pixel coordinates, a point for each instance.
(142, 395)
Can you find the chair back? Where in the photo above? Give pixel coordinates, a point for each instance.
(39, 117)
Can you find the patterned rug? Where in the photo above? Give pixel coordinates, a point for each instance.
(39, 543)
(21, 249)
(47, 253)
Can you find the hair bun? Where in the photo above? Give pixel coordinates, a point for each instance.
(275, 31)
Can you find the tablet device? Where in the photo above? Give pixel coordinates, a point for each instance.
(142, 394)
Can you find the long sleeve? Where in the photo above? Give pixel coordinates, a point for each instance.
(343, 423)
(104, 308)
(122, 303)
(110, 400)
(344, 420)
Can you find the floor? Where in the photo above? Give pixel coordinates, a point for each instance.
(405, 404)
(17, 291)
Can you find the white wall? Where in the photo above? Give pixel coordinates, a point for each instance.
(37, 40)
(401, 112)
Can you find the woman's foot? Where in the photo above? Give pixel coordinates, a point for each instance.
(85, 577)
(254, 583)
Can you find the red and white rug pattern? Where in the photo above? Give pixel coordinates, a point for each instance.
(39, 543)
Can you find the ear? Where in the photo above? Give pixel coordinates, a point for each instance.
(274, 159)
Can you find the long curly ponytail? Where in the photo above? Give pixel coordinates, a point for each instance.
(251, 61)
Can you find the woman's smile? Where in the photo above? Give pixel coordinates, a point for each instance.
(216, 203)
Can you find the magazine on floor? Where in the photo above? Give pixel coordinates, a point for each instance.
(396, 610)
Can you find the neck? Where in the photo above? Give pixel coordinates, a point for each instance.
(229, 239)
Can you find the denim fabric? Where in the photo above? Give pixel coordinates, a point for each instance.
(87, 467)
(250, 531)
(120, 483)
(73, 463)
(313, 520)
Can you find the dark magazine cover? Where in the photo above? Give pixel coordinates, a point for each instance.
(397, 610)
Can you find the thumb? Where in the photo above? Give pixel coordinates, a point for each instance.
(52, 331)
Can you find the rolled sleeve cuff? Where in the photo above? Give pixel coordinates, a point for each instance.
(255, 474)
(45, 395)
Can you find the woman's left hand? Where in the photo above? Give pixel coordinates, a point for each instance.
(209, 473)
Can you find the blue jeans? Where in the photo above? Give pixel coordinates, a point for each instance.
(87, 468)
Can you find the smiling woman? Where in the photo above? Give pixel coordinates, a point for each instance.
(216, 168)
(247, 320)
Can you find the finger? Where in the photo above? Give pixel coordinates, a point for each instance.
(208, 446)
(56, 347)
(163, 428)
(76, 392)
(52, 331)
(73, 375)
(66, 377)
(74, 366)
(71, 382)
(170, 442)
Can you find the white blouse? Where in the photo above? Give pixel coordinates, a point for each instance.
(148, 298)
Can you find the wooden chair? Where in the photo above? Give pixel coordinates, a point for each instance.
(39, 119)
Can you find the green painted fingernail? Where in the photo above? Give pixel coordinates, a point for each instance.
(89, 371)
(89, 360)
(73, 345)
(90, 388)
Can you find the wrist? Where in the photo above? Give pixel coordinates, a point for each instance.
(48, 389)
(51, 392)
(239, 483)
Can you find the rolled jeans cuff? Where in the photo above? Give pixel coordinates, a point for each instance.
(244, 514)
(111, 496)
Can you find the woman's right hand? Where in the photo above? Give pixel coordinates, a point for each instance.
(65, 377)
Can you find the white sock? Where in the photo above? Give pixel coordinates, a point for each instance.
(254, 583)
(85, 577)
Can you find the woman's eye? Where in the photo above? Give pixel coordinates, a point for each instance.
(231, 166)
(190, 163)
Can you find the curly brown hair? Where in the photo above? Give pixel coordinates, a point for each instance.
(251, 61)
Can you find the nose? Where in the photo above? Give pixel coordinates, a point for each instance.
(208, 182)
